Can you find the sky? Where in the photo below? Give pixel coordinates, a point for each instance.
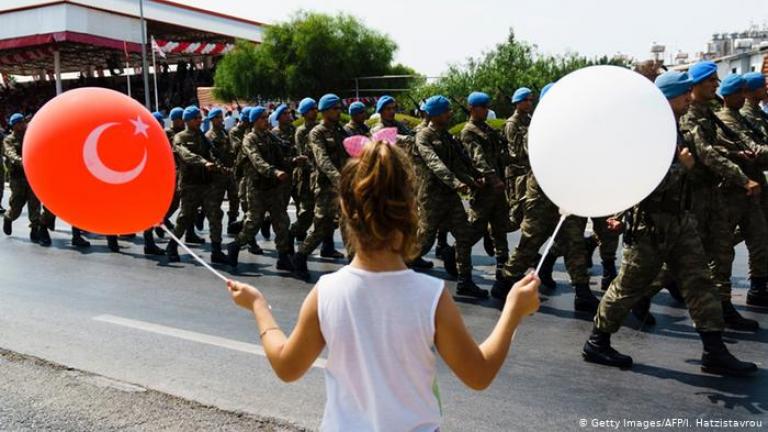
(433, 34)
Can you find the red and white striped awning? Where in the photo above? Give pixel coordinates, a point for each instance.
(193, 48)
(26, 56)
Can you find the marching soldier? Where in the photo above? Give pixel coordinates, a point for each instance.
(356, 124)
(197, 166)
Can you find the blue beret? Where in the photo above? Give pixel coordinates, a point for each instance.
(256, 113)
(545, 89)
(356, 108)
(191, 112)
(384, 101)
(306, 105)
(702, 70)
(674, 83)
(755, 80)
(15, 118)
(280, 110)
(437, 105)
(328, 101)
(521, 94)
(478, 99)
(176, 113)
(159, 117)
(244, 114)
(215, 112)
(732, 84)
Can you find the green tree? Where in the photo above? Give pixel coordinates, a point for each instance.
(512, 64)
(311, 54)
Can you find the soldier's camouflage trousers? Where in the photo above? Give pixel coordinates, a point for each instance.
(672, 240)
(192, 197)
(326, 219)
(259, 203)
(516, 190)
(445, 211)
(21, 195)
(304, 199)
(489, 207)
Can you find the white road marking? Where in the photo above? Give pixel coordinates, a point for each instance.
(192, 336)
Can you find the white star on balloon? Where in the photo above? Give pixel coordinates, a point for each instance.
(140, 127)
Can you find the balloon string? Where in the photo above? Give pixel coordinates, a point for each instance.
(551, 242)
(194, 255)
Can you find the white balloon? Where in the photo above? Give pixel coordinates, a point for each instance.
(601, 141)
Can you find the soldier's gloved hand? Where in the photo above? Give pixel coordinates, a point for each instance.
(686, 158)
(463, 189)
(752, 187)
(614, 225)
(281, 175)
(300, 160)
(210, 166)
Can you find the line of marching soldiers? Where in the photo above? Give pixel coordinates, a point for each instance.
(681, 238)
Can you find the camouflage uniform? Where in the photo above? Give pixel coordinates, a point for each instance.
(21, 192)
(664, 232)
(353, 129)
(286, 135)
(196, 190)
(439, 201)
(170, 133)
(303, 181)
(236, 136)
(756, 117)
(608, 241)
(720, 201)
(225, 153)
(539, 222)
(516, 132)
(264, 156)
(488, 205)
(327, 144)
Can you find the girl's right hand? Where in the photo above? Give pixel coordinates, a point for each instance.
(524, 295)
(245, 295)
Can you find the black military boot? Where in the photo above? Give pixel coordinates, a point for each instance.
(609, 274)
(7, 226)
(160, 233)
(421, 264)
(284, 262)
(545, 273)
(500, 262)
(234, 227)
(449, 261)
(192, 238)
(200, 219)
(757, 294)
(674, 291)
(112, 243)
(172, 251)
(265, 225)
(442, 243)
(488, 245)
(217, 256)
(585, 301)
(502, 285)
(642, 312)
(34, 233)
(44, 236)
(466, 287)
(150, 247)
(598, 350)
(254, 248)
(300, 270)
(77, 239)
(734, 320)
(716, 359)
(233, 253)
(591, 244)
(328, 249)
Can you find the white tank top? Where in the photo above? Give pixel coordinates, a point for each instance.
(380, 330)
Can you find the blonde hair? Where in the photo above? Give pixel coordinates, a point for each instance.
(378, 201)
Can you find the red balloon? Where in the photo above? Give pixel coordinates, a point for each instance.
(99, 160)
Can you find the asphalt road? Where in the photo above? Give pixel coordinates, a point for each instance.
(174, 330)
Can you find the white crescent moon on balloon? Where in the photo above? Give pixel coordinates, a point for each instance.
(97, 168)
